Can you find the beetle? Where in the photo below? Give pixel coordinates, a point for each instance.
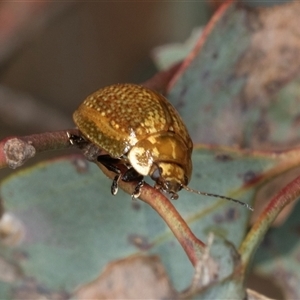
(141, 132)
(140, 129)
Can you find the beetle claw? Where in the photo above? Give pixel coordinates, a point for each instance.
(76, 140)
(174, 196)
(137, 190)
(114, 185)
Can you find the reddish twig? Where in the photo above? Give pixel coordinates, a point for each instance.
(207, 30)
(15, 151)
(189, 242)
(288, 194)
(160, 81)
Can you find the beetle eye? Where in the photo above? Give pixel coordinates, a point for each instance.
(157, 173)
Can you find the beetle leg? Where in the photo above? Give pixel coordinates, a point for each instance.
(132, 175)
(109, 163)
(128, 176)
(137, 190)
(114, 186)
(76, 140)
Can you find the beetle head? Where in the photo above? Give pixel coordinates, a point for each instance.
(169, 177)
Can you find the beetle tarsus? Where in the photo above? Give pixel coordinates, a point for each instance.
(174, 196)
(137, 191)
(76, 140)
(114, 185)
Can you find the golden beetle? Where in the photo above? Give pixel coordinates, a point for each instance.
(139, 128)
(141, 131)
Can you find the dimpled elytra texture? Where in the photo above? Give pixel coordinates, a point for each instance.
(118, 116)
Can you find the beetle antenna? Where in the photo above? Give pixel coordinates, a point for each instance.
(217, 196)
